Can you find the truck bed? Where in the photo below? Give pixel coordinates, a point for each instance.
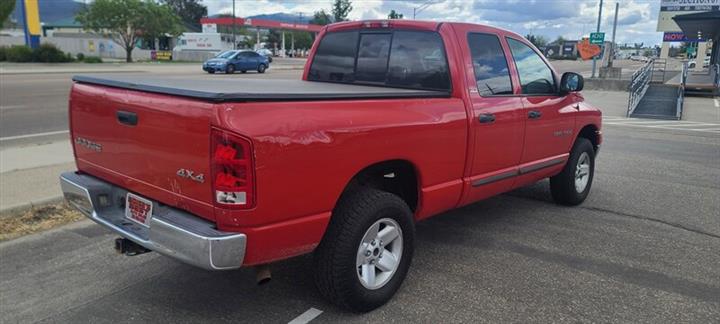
(225, 89)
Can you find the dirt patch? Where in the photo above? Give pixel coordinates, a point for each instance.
(36, 219)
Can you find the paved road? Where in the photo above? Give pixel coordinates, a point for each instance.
(36, 103)
(643, 248)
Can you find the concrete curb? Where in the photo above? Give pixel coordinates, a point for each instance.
(12, 209)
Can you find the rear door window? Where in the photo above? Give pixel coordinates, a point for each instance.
(490, 65)
(407, 59)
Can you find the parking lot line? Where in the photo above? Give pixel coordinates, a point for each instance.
(306, 317)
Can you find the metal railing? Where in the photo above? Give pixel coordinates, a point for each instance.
(639, 83)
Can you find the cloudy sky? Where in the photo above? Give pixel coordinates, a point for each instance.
(637, 19)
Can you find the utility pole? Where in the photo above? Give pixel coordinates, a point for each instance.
(612, 44)
(234, 27)
(422, 7)
(597, 31)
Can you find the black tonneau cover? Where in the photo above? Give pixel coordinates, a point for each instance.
(253, 89)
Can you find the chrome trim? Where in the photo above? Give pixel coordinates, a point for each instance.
(171, 232)
(541, 165)
(495, 178)
(514, 173)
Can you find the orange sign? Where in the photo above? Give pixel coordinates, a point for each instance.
(588, 51)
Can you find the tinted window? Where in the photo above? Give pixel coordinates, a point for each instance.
(417, 60)
(535, 76)
(372, 57)
(491, 69)
(335, 58)
(409, 59)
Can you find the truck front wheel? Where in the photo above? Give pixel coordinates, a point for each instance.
(572, 185)
(365, 254)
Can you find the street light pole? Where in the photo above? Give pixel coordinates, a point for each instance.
(422, 7)
(234, 27)
(612, 44)
(597, 31)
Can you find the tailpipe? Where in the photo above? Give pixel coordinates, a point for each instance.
(263, 274)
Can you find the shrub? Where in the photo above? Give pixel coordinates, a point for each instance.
(92, 59)
(80, 56)
(3, 53)
(48, 53)
(19, 54)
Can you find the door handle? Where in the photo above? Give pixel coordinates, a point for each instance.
(127, 118)
(534, 114)
(486, 118)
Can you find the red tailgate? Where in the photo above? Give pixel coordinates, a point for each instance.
(154, 145)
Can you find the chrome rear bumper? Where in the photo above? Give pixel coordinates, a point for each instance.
(172, 232)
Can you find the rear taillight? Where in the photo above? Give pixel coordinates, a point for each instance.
(232, 170)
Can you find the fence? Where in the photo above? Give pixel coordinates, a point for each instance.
(639, 83)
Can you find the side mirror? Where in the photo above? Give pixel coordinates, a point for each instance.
(571, 82)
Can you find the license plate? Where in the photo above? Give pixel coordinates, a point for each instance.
(138, 209)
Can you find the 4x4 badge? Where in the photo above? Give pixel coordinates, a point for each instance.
(189, 174)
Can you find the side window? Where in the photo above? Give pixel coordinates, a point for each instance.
(491, 70)
(535, 76)
(417, 60)
(335, 58)
(372, 57)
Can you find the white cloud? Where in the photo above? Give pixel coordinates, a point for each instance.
(550, 18)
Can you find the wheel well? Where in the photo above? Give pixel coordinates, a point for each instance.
(590, 132)
(395, 176)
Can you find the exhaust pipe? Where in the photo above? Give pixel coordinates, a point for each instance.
(262, 274)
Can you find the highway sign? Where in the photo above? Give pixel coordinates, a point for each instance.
(597, 38)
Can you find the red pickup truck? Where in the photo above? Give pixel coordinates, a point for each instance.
(392, 122)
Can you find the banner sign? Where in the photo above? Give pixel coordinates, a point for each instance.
(678, 37)
(161, 55)
(690, 5)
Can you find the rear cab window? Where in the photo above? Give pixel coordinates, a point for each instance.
(394, 58)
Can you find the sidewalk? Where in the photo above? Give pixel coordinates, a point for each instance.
(29, 174)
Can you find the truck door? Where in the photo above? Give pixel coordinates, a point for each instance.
(497, 123)
(550, 118)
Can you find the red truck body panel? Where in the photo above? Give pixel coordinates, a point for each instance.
(307, 152)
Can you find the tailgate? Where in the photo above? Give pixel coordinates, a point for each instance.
(152, 144)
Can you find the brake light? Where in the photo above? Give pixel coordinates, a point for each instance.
(376, 24)
(232, 170)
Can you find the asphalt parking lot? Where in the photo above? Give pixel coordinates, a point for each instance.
(644, 248)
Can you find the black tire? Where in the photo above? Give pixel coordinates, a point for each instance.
(261, 68)
(243, 71)
(211, 71)
(230, 69)
(336, 273)
(562, 186)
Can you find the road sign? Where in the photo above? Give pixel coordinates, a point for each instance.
(597, 38)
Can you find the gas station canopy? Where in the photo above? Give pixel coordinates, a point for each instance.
(706, 24)
(261, 23)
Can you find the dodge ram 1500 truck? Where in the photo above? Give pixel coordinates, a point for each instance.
(392, 122)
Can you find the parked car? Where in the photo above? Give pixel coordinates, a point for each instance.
(393, 122)
(231, 61)
(706, 62)
(267, 53)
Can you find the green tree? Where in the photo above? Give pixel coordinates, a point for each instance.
(537, 40)
(190, 11)
(560, 40)
(126, 21)
(341, 9)
(321, 18)
(395, 15)
(6, 8)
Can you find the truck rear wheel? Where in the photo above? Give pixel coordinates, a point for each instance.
(572, 185)
(366, 251)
